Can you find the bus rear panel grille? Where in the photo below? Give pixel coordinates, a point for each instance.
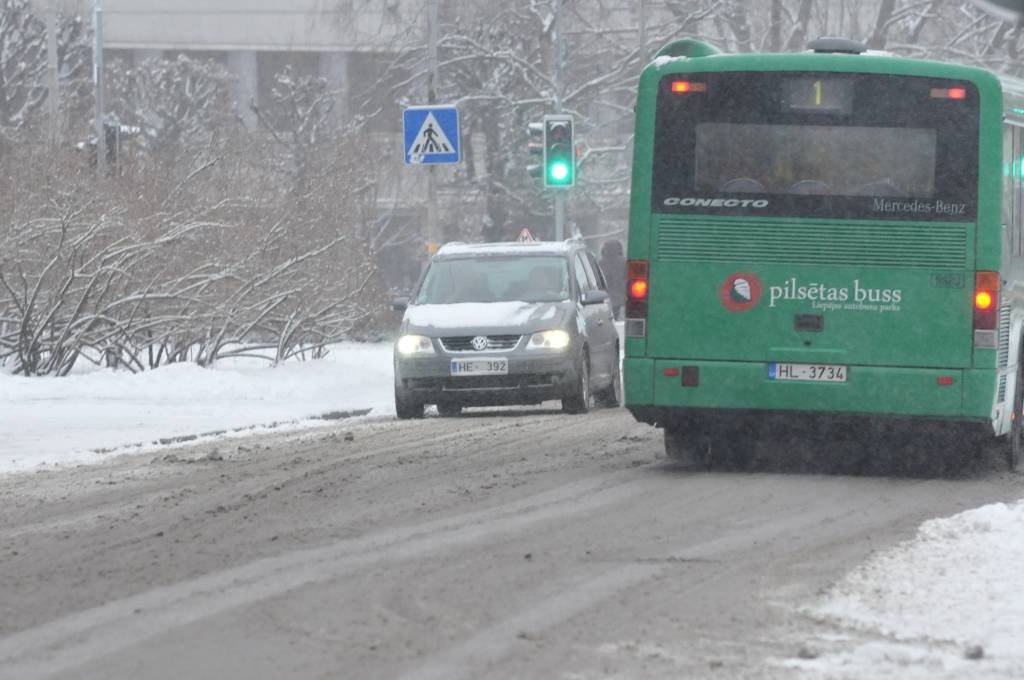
(932, 245)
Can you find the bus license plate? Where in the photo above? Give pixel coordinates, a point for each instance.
(807, 372)
(479, 367)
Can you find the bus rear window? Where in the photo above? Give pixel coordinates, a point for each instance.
(815, 159)
(833, 145)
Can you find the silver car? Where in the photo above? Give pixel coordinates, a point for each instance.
(507, 323)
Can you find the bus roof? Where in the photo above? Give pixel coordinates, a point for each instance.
(810, 61)
(705, 59)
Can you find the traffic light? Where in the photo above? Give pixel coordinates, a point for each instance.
(536, 147)
(559, 152)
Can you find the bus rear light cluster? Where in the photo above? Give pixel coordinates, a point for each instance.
(638, 289)
(684, 86)
(949, 93)
(986, 309)
(690, 375)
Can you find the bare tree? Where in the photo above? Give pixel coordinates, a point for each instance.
(23, 88)
(298, 118)
(178, 104)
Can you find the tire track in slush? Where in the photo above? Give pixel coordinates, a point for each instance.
(99, 508)
(76, 639)
(472, 657)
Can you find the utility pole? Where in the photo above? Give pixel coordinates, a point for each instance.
(643, 32)
(559, 58)
(52, 84)
(97, 77)
(434, 238)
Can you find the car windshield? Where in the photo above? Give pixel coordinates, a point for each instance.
(495, 279)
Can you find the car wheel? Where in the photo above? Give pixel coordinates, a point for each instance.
(579, 400)
(406, 407)
(611, 396)
(449, 410)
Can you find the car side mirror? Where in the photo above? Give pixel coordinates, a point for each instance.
(594, 297)
(400, 304)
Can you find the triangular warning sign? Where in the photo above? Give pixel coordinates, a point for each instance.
(525, 236)
(430, 139)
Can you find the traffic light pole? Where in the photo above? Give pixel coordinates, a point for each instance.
(559, 214)
(434, 238)
(559, 56)
(559, 164)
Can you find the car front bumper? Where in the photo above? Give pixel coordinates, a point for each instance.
(530, 380)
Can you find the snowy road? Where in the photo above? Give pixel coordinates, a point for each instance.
(523, 545)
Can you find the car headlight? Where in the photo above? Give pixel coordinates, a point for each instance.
(549, 340)
(414, 344)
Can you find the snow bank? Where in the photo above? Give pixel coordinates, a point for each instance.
(63, 420)
(919, 610)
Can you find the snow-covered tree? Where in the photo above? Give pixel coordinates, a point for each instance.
(298, 118)
(23, 62)
(177, 104)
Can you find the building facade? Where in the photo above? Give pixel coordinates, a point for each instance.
(345, 41)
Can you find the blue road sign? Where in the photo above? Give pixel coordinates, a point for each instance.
(431, 135)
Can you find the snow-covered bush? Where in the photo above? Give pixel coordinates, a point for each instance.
(207, 239)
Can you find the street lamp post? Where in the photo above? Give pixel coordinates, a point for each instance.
(97, 76)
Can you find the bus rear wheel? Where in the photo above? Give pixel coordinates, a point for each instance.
(687, 444)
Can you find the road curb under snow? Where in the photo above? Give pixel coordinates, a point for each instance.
(186, 438)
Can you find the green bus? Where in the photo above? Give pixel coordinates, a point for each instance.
(833, 234)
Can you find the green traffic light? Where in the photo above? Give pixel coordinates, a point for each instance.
(559, 171)
(559, 160)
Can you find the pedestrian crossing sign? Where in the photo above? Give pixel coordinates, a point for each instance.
(431, 135)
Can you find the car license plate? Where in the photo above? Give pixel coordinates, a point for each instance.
(479, 367)
(807, 372)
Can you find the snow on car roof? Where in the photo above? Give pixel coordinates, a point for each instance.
(511, 248)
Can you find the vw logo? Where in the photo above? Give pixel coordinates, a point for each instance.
(480, 343)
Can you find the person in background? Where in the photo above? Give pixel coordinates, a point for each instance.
(613, 264)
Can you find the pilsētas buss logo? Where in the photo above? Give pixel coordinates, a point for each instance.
(740, 292)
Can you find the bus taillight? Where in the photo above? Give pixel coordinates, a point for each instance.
(637, 292)
(684, 86)
(986, 308)
(949, 93)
